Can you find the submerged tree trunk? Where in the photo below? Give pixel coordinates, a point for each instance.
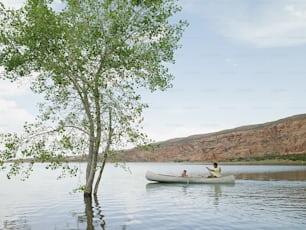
(89, 212)
(91, 165)
(91, 175)
(87, 189)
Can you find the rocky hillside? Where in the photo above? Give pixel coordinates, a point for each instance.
(282, 137)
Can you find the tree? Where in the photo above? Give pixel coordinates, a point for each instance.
(89, 60)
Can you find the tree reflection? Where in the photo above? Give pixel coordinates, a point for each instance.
(20, 223)
(93, 214)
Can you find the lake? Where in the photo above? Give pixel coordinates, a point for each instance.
(263, 197)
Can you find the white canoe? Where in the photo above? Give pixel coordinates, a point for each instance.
(163, 178)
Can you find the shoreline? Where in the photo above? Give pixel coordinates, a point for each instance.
(264, 162)
(232, 162)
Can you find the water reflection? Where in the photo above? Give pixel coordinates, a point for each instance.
(94, 216)
(20, 223)
(218, 193)
(211, 190)
(283, 175)
(158, 186)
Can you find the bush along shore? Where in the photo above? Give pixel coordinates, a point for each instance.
(292, 159)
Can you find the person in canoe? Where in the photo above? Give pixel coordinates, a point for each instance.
(184, 173)
(215, 172)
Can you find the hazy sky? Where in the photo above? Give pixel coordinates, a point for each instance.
(242, 62)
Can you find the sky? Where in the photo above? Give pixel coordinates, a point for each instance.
(242, 62)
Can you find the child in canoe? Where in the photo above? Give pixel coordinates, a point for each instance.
(184, 173)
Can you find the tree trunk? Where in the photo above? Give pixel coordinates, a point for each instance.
(95, 141)
(90, 173)
(100, 175)
(90, 160)
(109, 141)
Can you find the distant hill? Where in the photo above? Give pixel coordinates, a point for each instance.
(278, 138)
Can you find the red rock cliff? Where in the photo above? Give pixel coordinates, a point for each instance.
(285, 136)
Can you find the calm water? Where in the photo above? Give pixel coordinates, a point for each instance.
(263, 197)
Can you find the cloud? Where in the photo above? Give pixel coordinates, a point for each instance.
(12, 117)
(276, 26)
(262, 23)
(9, 89)
(13, 4)
(189, 5)
(16, 4)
